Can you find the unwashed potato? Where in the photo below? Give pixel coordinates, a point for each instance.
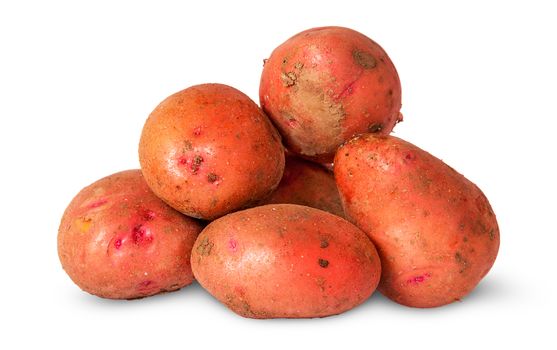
(325, 85)
(209, 150)
(309, 184)
(285, 260)
(118, 240)
(434, 229)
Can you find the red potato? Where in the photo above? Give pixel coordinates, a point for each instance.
(434, 229)
(286, 261)
(209, 150)
(309, 184)
(325, 85)
(118, 240)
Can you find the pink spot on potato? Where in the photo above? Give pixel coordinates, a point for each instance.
(233, 245)
(192, 163)
(347, 91)
(409, 156)
(418, 279)
(141, 235)
(146, 285)
(197, 131)
(292, 122)
(148, 215)
(117, 243)
(98, 203)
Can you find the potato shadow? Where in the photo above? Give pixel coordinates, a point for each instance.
(490, 290)
(193, 291)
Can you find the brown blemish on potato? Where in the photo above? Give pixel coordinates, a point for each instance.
(491, 234)
(324, 243)
(461, 261)
(187, 146)
(204, 248)
(246, 308)
(375, 127)
(309, 98)
(196, 164)
(212, 177)
(323, 263)
(479, 227)
(288, 79)
(364, 59)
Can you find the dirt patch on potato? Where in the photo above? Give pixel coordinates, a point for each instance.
(310, 99)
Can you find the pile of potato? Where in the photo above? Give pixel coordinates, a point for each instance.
(243, 198)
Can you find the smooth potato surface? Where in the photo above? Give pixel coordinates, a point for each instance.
(209, 150)
(434, 229)
(309, 184)
(118, 240)
(325, 85)
(285, 260)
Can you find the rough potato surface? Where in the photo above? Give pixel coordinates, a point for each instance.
(325, 85)
(435, 230)
(309, 184)
(209, 150)
(118, 240)
(286, 261)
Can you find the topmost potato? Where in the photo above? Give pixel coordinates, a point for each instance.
(325, 85)
(209, 150)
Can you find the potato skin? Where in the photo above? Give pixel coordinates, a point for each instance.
(208, 150)
(309, 184)
(434, 230)
(325, 85)
(285, 261)
(118, 240)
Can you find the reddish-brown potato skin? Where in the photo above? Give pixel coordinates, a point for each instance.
(208, 150)
(325, 85)
(118, 240)
(434, 230)
(286, 261)
(309, 184)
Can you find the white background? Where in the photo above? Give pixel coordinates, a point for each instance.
(78, 80)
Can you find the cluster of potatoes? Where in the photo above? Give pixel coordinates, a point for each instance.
(243, 199)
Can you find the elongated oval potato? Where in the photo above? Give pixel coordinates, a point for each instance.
(286, 261)
(118, 240)
(435, 230)
(209, 150)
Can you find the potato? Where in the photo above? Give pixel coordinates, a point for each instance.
(325, 85)
(434, 230)
(209, 150)
(118, 240)
(309, 184)
(286, 261)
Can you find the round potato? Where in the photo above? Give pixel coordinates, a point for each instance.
(325, 85)
(118, 240)
(209, 150)
(434, 229)
(285, 261)
(309, 184)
